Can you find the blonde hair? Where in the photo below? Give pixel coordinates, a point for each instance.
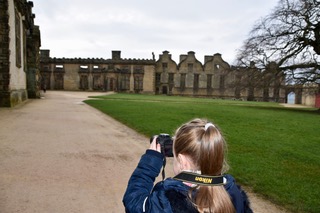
(206, 148)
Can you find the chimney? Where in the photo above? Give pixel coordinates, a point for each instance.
(116, 55)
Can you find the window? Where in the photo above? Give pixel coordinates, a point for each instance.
(82, 68)
(58, 81)
(171, 78)
(46, 68)
(165, 66)
(126, 69)
(59, 67)
(196, 81)
(222, 81)
(138, 83)
(209, 81)
(97, 82)
(183, 81)
(95, 68)
(138, 69)
(190, 67)
(18, 39)
(158, 78)
(84, 82)
(125, 82)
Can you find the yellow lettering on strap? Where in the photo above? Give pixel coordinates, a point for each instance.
(203, 180)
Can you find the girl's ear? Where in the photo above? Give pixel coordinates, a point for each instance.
(185, 162)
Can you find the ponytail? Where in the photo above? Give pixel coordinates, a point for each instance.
(204, 144)
(215, 199)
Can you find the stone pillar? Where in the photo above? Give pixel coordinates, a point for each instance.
(52, 78)
(90, 81)
(33, 57)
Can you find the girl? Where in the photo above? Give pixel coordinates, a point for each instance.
(199, 149)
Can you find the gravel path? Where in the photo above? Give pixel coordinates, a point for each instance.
(58, 154)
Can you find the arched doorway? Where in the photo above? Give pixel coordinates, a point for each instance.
(291, 98)
(165, 90)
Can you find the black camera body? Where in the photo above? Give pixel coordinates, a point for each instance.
(165, 142)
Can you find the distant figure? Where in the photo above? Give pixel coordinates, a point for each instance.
(44, 88)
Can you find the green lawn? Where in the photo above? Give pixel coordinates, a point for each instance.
(272, 149)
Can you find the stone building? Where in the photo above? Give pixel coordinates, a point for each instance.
(115, 74)
(19, 52)
(304, 94)
(191, 78)
(215, 78)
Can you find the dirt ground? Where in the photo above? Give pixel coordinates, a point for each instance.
(58, 154)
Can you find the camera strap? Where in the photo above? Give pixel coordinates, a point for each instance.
(199, 179)
(164, 161)
(164, 165)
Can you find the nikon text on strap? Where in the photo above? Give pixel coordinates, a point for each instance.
(205, 180)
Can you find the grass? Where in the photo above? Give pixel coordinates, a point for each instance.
(272, 149)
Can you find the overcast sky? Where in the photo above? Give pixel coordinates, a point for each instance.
(93, 28)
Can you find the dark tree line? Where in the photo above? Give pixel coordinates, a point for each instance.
(288, 37)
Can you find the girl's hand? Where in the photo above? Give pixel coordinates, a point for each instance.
(155, 146)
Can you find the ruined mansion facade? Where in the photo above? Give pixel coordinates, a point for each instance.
(25, 69)
(215, 78)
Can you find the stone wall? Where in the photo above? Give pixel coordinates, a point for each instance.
(4, 54)
(19, 52)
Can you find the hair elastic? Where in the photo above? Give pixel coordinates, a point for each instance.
(208, 125)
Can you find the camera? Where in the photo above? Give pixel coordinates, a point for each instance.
(165, 142)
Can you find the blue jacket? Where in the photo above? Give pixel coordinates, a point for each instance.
(169, 195)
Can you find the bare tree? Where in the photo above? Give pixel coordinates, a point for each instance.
(289, 37)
